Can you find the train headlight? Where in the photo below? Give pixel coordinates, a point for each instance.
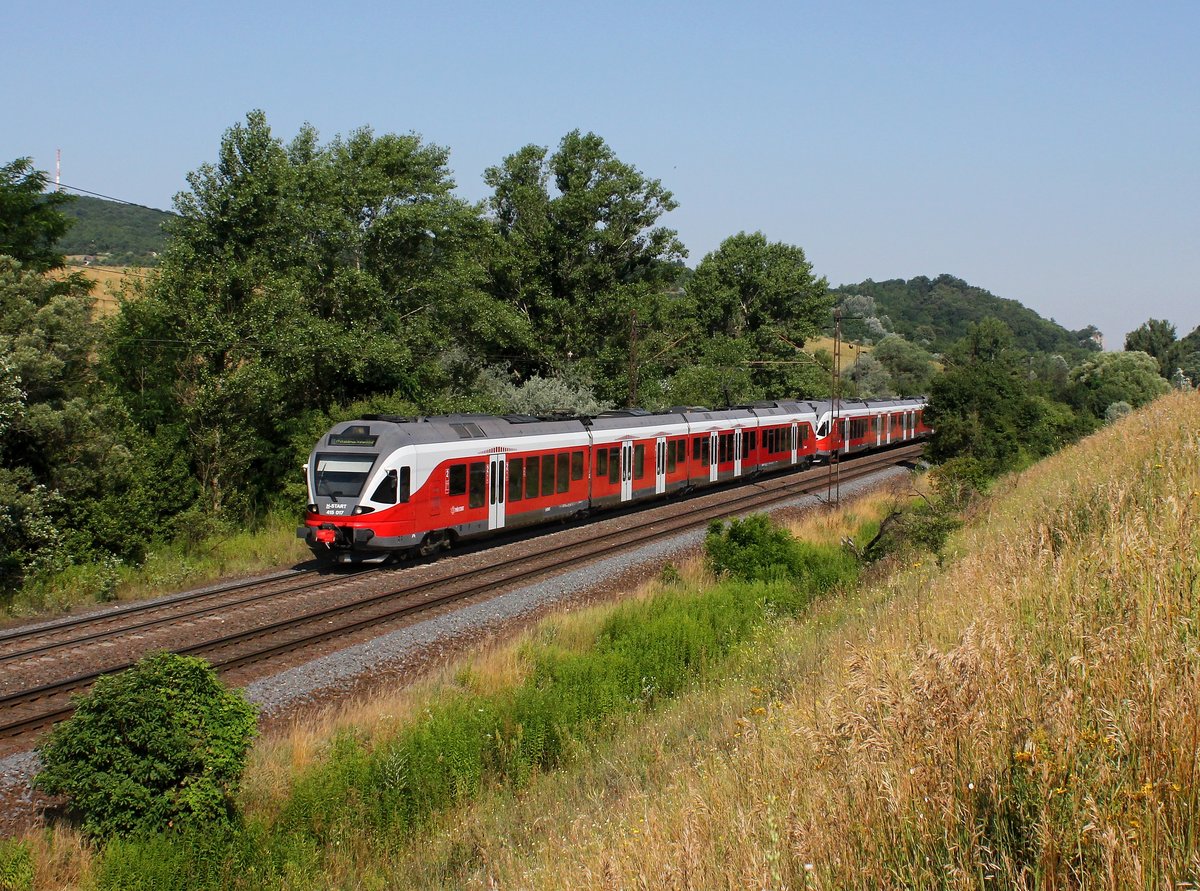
(362, 509)
(313, 509)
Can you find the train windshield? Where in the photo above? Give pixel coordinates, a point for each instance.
(342, 476)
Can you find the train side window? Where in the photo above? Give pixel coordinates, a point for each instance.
(458, 480)
(477, 497)
(705, 452)
(670, 447)
(516, 476)
(601, 463)
(614, 465)
(563, 478)
(681, 446)
(696, 447)
(405, 485)
(385, 492)
(576, 465)
(639, 461)
(531, 478)
(547, 474)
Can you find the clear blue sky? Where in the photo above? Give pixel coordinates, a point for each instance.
(1046, 151)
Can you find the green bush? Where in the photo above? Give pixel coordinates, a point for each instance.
(159, 746)
(757, 550)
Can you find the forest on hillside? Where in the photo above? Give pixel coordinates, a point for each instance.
(305, 282)
(114, 233)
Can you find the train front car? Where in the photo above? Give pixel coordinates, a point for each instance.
(360, 483)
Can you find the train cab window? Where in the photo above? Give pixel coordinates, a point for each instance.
(458, 480)
(614, 465)
(516, 476)
(531, 478)
(639, 461)
(477, 496)
(576, 465)
(601, 463)
(547, 474)
(563, 478)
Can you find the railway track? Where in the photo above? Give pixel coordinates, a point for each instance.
(397, 597)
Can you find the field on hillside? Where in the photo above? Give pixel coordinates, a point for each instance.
(109, 282)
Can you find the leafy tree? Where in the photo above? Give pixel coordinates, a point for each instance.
(1131, 377)
(580, 251)
(985, 406)
(910, 366)
(1155, 337)
(298, 277)
(30, 219)
(763, 298)
(159, 746)
(870, 378)
(75, 477)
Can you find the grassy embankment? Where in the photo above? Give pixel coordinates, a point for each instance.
(1025, 716)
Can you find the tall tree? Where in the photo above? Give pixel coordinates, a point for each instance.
(581, 251)
(1131, 377)
(1155, 337)
(75, 478)
(986, 406)
(30, 220)
(764, 296)
(300, 276)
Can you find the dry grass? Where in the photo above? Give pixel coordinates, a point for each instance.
(1026, 718)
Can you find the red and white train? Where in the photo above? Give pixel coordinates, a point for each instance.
(384, 485)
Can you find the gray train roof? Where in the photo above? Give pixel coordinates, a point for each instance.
(392, 432)
(627, 418)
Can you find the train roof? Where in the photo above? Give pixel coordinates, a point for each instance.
(399, 430)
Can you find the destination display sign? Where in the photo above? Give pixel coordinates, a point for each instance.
(360, 440)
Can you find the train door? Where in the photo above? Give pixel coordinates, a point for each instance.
(626, 470)
(496, 481)
(714, 443)
(660, 465)
(739, 437)
(795, 442)
(878, 422)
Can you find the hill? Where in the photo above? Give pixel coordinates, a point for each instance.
(116, 234)
(935, 312)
